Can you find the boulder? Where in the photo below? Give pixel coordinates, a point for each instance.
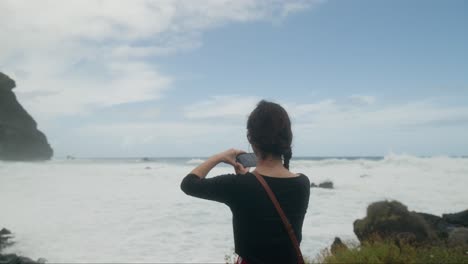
(20, 140)
(392, 220)
(5, 236)
(460, 218)
(438, 224)
(324, 185)
(15, 259)
(5, 231)
(337, 246)
(458, 237)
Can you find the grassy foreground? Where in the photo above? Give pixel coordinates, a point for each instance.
(392, 252)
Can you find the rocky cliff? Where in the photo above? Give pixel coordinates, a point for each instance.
(19, 137)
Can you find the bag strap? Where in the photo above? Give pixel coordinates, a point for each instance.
(286, 223)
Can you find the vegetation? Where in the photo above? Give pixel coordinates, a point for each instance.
(383, 252)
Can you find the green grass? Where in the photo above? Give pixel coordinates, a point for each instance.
(384, 252)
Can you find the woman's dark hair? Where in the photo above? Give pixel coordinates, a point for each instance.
(269, 131)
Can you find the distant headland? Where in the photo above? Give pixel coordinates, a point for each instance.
(20, 140)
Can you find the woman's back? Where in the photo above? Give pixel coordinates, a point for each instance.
(259, 233)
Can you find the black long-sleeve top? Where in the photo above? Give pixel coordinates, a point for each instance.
(259, 233)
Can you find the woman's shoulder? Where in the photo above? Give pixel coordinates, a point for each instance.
(303, 177)
(290, 177)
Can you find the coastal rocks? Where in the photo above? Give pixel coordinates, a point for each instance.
(20, 140)
(392, 220)
(460, 218)
(458, 237)
(388, 220)
(441, 227)
(337, 246)
(324, 185)
(4, 232)
(15, 259)
(5, 235)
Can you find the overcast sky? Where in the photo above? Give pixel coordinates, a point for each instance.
(179, 77)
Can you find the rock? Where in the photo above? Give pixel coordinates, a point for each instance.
(458, 237)
(460, 218)
(5, 236)
(15, 259)
(5, 231)
(337, 246)
(42, 261)
(392, 220)
(324, 185)
(438, 224)
(19, 137)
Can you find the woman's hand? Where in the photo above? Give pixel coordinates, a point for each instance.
(240, 169)
(229, 156)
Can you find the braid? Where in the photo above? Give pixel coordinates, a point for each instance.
(287, 157)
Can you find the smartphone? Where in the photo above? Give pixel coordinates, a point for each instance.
(247, 160)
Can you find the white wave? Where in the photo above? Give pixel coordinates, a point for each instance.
(195, 161)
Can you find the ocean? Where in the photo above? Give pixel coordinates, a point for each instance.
(129, 210)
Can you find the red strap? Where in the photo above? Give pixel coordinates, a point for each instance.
(286, 223)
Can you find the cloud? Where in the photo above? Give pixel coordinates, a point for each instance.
(331, 114)
(324, 127)
(222, 107)
(363, 99)
(73, 94)
(78, 55)
(335, 113)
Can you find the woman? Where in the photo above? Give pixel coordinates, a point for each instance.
(259, 233)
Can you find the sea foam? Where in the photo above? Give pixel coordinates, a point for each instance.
(121, 211)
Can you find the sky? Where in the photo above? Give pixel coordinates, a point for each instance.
(175, 78)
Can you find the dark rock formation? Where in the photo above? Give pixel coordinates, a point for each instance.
(438, 224)
(4, 232)
(392, 220)
(5, 235)
(460, 218)
(458, 237)
(15, 259)
(19, 137)
(337, 246)
(325, 185)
